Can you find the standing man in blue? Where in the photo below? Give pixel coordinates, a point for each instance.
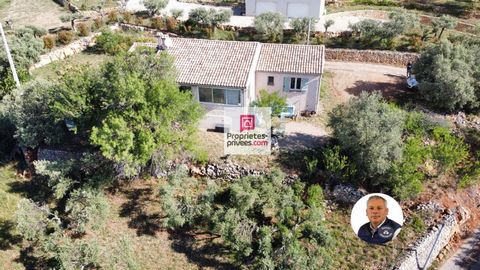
(380, 229)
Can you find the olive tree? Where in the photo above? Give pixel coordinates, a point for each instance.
(449, 76)
(370, 131)
(260, 220)
(153, 6)
(270, 25)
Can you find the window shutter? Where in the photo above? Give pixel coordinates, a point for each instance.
(304, 84)
(286, 84)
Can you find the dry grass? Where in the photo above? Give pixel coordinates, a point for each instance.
(40, 13)
(349, 252)
(9, 239)
(51, 71)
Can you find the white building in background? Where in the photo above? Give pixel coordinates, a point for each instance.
(289, 8)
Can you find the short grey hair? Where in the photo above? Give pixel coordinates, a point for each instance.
(377, 197)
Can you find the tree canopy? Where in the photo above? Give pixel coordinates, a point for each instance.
(270, 25)
(370, 131)
(450, 75)
(130, 108)
(154, 6)
(262, 221)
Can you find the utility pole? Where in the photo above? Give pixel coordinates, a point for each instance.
(10, 60)
(308, 35)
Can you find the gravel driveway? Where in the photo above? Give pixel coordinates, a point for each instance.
(341, 20)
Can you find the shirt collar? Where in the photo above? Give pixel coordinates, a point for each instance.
(380, 225)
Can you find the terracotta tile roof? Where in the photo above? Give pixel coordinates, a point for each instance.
(213, 62)
(288, 58)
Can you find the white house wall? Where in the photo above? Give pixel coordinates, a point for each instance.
(294, 8)
(307, 100)
(214, 113)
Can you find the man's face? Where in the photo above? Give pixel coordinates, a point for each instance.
(376, 211)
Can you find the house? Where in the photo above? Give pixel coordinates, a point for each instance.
(289, 8)
(231, 73)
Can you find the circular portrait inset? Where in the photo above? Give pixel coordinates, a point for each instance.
(376, 218)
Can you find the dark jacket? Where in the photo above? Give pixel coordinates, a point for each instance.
(381, 235)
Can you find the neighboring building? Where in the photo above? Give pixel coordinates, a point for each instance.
(231, 73)
(289, 8)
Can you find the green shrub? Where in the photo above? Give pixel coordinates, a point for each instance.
(449, 150)
(127, 17)
(87, 209)
(157, 23)
(172, 24)
(65, 37)
(406, 177)
(336, 166)
(98, 22)
(49, 42)
(113, 43)
(113, 16)
(83, 29)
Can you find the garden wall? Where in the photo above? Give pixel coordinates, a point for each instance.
(370, 56)
(60, 53)
(426, 249)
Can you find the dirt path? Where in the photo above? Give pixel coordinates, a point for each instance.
(41, 13)
(347, 80)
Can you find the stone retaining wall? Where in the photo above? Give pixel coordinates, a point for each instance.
(61, 53)
(426, 249)
(370, 56)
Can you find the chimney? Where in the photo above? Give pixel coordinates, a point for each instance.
(164, 41)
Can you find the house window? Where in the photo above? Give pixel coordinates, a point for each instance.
(295, 83)
(184, 88)
(270, 80)
(219, 96)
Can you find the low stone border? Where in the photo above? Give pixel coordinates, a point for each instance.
(61, 53)
(371, 56)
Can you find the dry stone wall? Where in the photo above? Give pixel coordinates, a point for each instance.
(370, 56)
(427, 248)
(61, 53)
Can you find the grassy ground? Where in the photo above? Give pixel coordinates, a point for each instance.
(41, 13)
(3, 3)
(455, 8)
(9, 240)
(349, 252)
(93, 4)
(51, 71)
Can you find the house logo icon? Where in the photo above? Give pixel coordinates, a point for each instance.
(247, 122)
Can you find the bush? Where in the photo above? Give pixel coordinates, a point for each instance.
(37, 31)
(83, 29)
(172, 24)
(127, 17)
(337, 167)
(65, 37)
(87, 209)
(98, 22)
(157, 23)
(449, 150)
(176, 13)
(49, 42)
(259, 219)
(273, 100)
(405, 177)
(113, 43)
(113, 16)
(449, 76)
(370, 132)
